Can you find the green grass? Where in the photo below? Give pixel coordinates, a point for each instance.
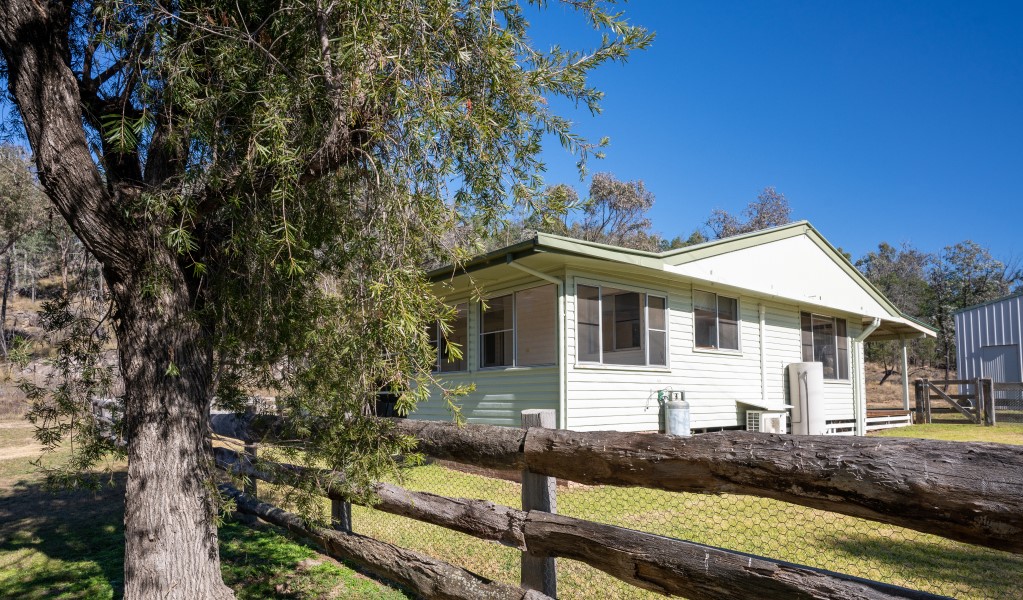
(747, 524)
(1003, 433)
(70, 545)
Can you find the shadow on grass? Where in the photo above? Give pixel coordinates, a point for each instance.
(944, 567)
(66, 544)
(70, 546)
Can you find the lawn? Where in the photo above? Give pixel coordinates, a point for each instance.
(747, 524)
(70, 545)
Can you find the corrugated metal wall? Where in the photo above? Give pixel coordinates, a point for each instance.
(997, 323)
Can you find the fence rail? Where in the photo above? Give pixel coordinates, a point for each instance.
(974, 495)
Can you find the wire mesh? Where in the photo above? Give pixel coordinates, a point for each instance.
(760, 526)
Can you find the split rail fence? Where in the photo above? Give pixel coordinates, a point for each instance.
(971, 493)
(980, 400)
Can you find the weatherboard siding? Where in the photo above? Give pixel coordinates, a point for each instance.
(499, 397)
(717, 384)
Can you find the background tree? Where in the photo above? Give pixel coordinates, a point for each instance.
(770, 209)
(22, 210)
(616, 213)
(258, 182)
(964, 274)
(901, 274)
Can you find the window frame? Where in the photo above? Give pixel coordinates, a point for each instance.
(513, 292)
(644, 324)
(840, 353)
(439, 341)
(717, 323)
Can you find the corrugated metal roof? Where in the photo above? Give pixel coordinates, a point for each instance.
(546, 242)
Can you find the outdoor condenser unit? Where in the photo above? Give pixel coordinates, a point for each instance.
(766, 421)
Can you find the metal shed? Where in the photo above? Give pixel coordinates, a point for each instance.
(988, 340)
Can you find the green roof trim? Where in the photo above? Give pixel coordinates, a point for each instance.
(547, 242)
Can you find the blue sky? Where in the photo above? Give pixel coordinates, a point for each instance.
(879, 121)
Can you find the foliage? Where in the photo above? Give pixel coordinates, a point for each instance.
(901, 274)
(22, 202)
(964, 274)
(932, 288)
(770, 209)
(298, 161)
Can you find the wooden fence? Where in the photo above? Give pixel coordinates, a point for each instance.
(976, 402)
(966, 492)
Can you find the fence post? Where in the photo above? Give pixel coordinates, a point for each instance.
(919, 384)
(250, 450)
(980, 404)
(927, 400)
(539, 492)
(990, 405)
(341, 515)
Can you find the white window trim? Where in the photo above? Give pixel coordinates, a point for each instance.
(647, 292)
(511, 291)
(848, 344)
(738, 322)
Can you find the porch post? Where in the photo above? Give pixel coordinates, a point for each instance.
(905, 374)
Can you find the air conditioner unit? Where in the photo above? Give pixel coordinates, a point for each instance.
(767, 421)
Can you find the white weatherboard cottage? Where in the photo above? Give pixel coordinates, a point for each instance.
(595, 332)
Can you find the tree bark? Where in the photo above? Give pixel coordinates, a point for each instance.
(170, 533)
(170, 503)
(3, 304)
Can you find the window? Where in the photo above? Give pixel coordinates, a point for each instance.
(825, 341)
(716, 321)
(621, 327)
(519, 329)
(457, 335)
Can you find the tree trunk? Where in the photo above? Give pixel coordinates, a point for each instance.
(170, 504)
(3, 306)
(170, 533)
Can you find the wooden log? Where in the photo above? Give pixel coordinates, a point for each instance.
(539, 492)
(478, 518)
(428, 577)
(649, 561)
(486, 446)
(967, 492)
(695, 571)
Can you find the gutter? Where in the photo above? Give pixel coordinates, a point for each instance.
(860, 392)
(562, 342)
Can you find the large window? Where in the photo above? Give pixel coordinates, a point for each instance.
(621, 327)
(716, 321)
(457, 336)
(519, 329)
(825, 341)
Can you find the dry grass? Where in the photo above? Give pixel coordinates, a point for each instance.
(889, 393)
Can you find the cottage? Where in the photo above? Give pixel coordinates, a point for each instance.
(598, 332)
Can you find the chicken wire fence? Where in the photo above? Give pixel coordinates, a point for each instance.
(759, 526)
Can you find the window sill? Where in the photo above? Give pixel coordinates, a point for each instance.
(512, 368)
(837, 381)
(717, 351)
(603, 367)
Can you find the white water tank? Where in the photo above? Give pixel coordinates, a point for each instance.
(806, 395)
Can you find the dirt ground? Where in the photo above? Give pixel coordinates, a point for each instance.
(889, 393)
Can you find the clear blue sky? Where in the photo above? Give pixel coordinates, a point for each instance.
(879, 121)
